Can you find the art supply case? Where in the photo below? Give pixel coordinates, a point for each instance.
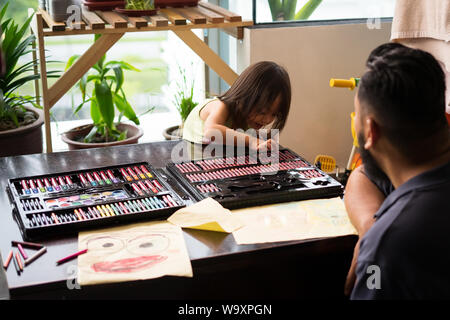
(251, 180)
(68, 202)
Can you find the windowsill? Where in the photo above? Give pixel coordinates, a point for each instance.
(153, 125)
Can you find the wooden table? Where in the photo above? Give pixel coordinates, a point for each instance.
(222, 269)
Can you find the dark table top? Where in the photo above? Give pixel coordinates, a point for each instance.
(203, 247)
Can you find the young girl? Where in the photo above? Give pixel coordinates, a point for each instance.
(259, 97)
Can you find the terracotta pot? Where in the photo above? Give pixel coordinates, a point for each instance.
(173, 133)
(136, 13)
(23, 140)
(70, 137)
(103, 5)
(175, 3)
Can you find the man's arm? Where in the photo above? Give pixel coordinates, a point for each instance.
(362, 200)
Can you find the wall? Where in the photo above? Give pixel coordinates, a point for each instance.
(319, 121)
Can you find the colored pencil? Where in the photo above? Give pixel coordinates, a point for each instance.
(72, 256)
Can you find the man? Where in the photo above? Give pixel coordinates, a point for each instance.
(404, 142)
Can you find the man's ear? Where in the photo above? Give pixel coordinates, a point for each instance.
(372, 132)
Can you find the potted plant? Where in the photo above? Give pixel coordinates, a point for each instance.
(184, 103)
(282, 10)
(106, 96)
(21, 119)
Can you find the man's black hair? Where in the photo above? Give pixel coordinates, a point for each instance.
(405, 90)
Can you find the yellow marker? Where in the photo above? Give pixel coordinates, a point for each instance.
(352, 83)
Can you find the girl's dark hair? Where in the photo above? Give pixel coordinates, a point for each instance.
(256, 90)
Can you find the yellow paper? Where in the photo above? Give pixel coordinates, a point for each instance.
(133, 252)
(207, 214)
(298, 220)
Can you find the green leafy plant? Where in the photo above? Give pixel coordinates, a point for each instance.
(106, 96)
(140, 5)
(285, 9)
(16, 44)
(184, 97)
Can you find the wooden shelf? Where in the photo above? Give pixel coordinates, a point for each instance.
(112, 26)
(203, 16)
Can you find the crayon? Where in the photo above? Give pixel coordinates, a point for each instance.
(83, 215)
(132, 173)
(55, 184)
(151, 186)
(83, 180)
(78, 215)
(101, 211)
(139, 172)
(55, 219)
(8, 260)
(143, 187)
(123, 208)
(91, 180)
(40, 186)
(48, 186)
(33, 186)
(172, 200)
(22, 252)
(112, 177)
(149, 204)
(113, 209)
(69, 181)
(72, 256)
(19, 261)
(125, 175)
(158, 185)
(25, 188)
(105, 178)
(35, 256)
(136, 188)
(99, 180)
(144, 169)
(61, 181)
(16, 264)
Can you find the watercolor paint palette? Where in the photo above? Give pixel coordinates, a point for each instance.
(251, 180)
(68, 202)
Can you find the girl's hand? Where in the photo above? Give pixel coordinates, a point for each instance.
(262, 145)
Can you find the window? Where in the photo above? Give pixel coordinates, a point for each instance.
(267, 11)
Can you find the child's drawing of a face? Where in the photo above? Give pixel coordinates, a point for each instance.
(121, 253)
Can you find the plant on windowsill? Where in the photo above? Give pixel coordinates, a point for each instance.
(184, 103)
(284, 10)
(106, 96)
(21, 118)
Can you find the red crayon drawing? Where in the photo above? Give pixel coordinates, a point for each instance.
(128, 265)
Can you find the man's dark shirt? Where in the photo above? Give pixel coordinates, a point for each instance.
(409, 244)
